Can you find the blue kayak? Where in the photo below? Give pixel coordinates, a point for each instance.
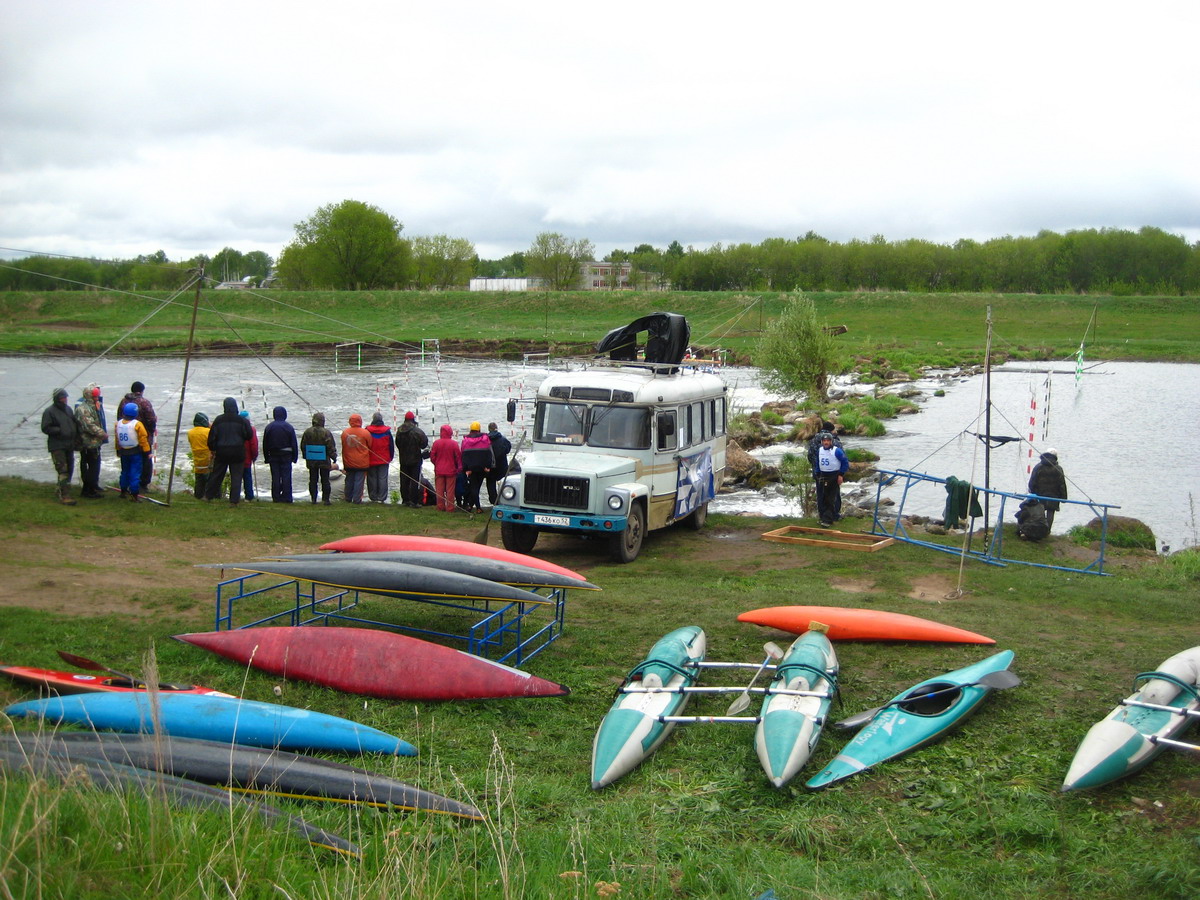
(917, 716)
(227, 719)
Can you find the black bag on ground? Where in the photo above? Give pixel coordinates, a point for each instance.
(1031, 520)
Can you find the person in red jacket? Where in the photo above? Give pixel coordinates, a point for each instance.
(356, 458)
(446, 456)
(383, 449)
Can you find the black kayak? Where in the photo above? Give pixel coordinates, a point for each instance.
(43, 759)
(242, 768)
(391, 579)
(478, 566)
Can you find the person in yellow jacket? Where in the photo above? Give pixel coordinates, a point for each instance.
(201, 456)
(133, 443)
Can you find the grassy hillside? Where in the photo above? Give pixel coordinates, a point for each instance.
(883, 329)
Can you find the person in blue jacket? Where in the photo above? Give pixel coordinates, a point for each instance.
(281, 451)
(829, 469)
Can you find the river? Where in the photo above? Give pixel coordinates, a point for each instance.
(1126, 433)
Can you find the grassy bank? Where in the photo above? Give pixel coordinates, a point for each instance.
(885, 330)
(977, 814)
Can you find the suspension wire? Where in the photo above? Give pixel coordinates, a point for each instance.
(966, 543)
(95, 360)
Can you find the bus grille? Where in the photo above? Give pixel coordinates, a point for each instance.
(556, 491)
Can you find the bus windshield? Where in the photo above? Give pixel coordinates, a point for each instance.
(621, 427)
(560, 423)
(613, 427)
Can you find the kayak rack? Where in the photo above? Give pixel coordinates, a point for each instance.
(509, 632)
(991, 551)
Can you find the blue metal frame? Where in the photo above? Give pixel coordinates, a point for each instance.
(503, 624)
(993, 553)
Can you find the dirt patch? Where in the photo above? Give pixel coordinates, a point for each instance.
(96, 576)
(934, 588)
(853, 585)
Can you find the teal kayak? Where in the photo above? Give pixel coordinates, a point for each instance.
(1130, 736)
(795, 706)
(913, 718)
(225, 719)
(633, 728)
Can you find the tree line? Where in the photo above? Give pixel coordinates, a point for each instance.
(353, 245)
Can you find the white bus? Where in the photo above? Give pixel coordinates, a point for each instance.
(619, 448)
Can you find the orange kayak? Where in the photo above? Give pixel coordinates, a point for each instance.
(850, 624)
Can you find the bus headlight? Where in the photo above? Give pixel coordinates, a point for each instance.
(508, 492)
(615, 502)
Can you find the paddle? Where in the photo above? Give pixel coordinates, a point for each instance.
(995, 680)
(773, 651)
(84, 663)
(482, 537)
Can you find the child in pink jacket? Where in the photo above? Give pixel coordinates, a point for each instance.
(446, 456)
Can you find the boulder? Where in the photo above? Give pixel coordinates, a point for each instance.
(739, 465)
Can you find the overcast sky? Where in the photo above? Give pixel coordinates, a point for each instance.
(129, 127)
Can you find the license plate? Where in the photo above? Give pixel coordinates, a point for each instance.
(560, 521)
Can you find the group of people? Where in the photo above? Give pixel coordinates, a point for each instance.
(84, 430)
(230, 446)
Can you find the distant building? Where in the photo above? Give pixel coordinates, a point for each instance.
(506, 284)
(239, 285)
(599, 276)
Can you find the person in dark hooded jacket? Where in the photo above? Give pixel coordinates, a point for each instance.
(62, 439)
(227, 440)
(319, 450)
(1048, 480)
(281, 450)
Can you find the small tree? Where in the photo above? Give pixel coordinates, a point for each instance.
(555, 258)
(797, 355)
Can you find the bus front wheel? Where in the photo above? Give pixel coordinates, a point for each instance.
(518, 538)
(628, 544)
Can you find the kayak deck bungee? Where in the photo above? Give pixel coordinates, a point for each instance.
(1136, 731)
(225, 719)
(913, 718)
(501, 571)
(111, 776)
(637, 722)
(389, 579)
(373, 662)
(81, 682)
(855, 624)
(251, 770)
(368, 542)
(796, 706)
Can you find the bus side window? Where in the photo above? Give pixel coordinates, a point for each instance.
(667, 433)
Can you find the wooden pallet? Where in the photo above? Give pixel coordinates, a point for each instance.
(823, 537)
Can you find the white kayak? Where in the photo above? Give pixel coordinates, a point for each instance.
(635, 726)
(795, 707)
(1130, 736)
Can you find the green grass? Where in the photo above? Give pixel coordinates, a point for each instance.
(887, 332)
(976, 814)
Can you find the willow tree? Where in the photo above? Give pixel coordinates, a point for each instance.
(347, 246)
(797, 354)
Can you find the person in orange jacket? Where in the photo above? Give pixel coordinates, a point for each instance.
(356, 458)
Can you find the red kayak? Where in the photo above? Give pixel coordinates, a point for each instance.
(77, 683)
(848, 624)
(373, 662)
(370, 542)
